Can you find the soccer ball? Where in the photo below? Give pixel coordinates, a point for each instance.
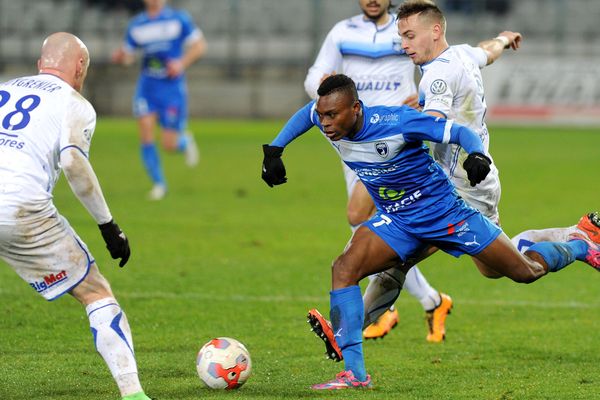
(223, 363)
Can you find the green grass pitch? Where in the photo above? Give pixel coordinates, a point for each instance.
(224, 255)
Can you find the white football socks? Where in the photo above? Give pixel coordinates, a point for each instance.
(418, 287)
(524, 240)
(112, 338)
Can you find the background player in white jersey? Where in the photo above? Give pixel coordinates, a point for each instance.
(47, 125)
(451, 87)
(170, 43)
(367, 48)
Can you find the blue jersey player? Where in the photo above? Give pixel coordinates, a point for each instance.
(417, 206)
(170, 42)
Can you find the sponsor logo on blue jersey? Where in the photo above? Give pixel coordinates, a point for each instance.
(405, 202)
(390, 194)
(49, 281)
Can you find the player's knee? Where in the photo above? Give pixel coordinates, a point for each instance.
(170, 146)
(356, 216)
(93, 288)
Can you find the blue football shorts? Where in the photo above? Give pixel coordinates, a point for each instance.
(460, 230)
(166, 98)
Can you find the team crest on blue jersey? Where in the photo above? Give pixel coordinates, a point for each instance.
(374, 118)
(382, 149)
(438, 86)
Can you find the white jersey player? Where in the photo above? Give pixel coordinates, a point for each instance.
(46, 126)
(452, 87)
(367, 48)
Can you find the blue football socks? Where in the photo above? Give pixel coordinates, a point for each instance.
(347, 315)
(559, 255)
(151, 161)
(182, 142)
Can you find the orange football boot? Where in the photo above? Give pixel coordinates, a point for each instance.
(384, 324)
(436, 319)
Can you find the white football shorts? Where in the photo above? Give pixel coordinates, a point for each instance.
(351, 179)
(46, 253)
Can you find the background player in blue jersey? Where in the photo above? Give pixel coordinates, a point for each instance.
(367, 48)
(170, 42)
(417, 206)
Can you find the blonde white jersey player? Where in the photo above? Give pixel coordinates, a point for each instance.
(451, 87)
(366, 47)
(46, 126)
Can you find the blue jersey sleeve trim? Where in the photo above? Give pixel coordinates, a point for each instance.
(75, 147)
(435, 110)
(297, 125)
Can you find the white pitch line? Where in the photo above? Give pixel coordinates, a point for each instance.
(309, 300)
(324, 299)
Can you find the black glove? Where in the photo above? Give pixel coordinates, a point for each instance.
(477, 166)
(273, 170)
(116, 242)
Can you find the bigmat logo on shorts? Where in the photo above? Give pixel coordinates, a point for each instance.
(49, 281)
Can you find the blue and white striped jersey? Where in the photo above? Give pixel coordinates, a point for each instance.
(369, 54)
(160, 38)
(389, 156)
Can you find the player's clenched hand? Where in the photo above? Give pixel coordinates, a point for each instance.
(174, 68)
(273, 170)
(514, 39)
(477, 166)
(116, 241)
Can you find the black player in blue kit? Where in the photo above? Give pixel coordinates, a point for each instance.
(417, 207)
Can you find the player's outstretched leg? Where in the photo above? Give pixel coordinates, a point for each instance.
(111, 333)
(588, 224)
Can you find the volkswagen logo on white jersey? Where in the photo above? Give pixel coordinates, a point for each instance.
(438, 86)
(382, 149)
(375, 118)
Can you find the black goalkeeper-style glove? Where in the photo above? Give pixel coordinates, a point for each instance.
(116, 241)
(273, 170)
(477, 166)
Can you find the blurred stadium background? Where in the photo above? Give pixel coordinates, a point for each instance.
(260, 50)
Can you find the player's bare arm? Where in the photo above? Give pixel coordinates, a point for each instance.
(193, 52)
(494, 47)
(122, 56)
(412, 101)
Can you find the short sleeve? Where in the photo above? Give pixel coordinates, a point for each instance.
(78, 125)
(436, 91)
(476, 54)
(189, 30)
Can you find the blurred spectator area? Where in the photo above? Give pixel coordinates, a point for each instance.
(253, 41)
